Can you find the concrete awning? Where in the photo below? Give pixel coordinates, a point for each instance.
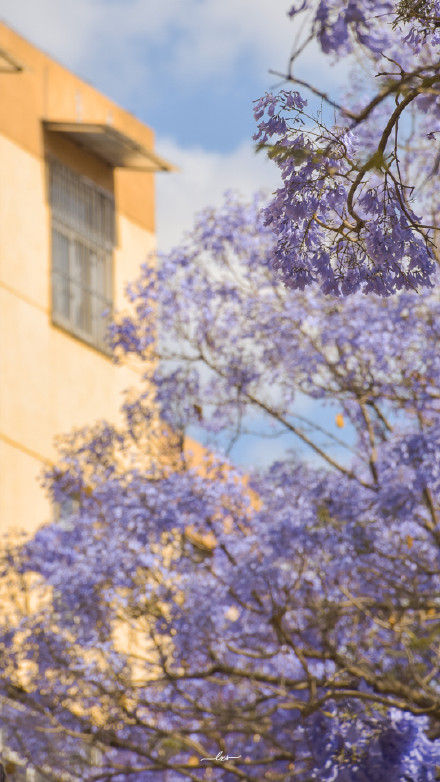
(114, 147)
(9, 63)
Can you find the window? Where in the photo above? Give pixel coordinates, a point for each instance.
(83, 220)
(64, 511)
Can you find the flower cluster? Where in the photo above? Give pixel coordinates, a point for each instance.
(350, 214)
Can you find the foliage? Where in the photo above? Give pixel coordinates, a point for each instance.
(290, 618)
(357, 209)
(191, 622)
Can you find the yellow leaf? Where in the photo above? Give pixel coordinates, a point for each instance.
(193, 761)
(228, 525)
(206, 541)
(340, 420)
(232, 613)
(409, 541)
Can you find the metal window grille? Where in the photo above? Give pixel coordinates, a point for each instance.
(83, 231)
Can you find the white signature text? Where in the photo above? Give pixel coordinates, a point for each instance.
(220, 758)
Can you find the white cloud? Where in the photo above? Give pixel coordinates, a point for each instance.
(198, 40)
(217, 35)
(203, 178)
(209, 36)
(60, 29)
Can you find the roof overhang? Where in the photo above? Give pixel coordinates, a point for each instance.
(112, 146)
(9, 63)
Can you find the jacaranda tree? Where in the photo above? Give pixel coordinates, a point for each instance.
(356, 208)
(187, 621)
(288, 620)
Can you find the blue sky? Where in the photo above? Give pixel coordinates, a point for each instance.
(190, 69)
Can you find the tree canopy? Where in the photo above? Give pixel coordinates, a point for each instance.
(287, 619)
(357, 209)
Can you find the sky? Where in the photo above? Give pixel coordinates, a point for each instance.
(190, 69)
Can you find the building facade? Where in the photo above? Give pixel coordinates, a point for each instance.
(76, 220)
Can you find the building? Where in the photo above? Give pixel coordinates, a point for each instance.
(76, 220)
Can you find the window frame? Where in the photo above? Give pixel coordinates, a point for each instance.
(83, 216)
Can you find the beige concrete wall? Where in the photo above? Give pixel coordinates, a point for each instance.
(44, 90)
(24, 224)
(50, 381)
(23, 504)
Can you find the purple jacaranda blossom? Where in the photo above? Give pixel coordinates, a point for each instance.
(356, 209)
(288, 616)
